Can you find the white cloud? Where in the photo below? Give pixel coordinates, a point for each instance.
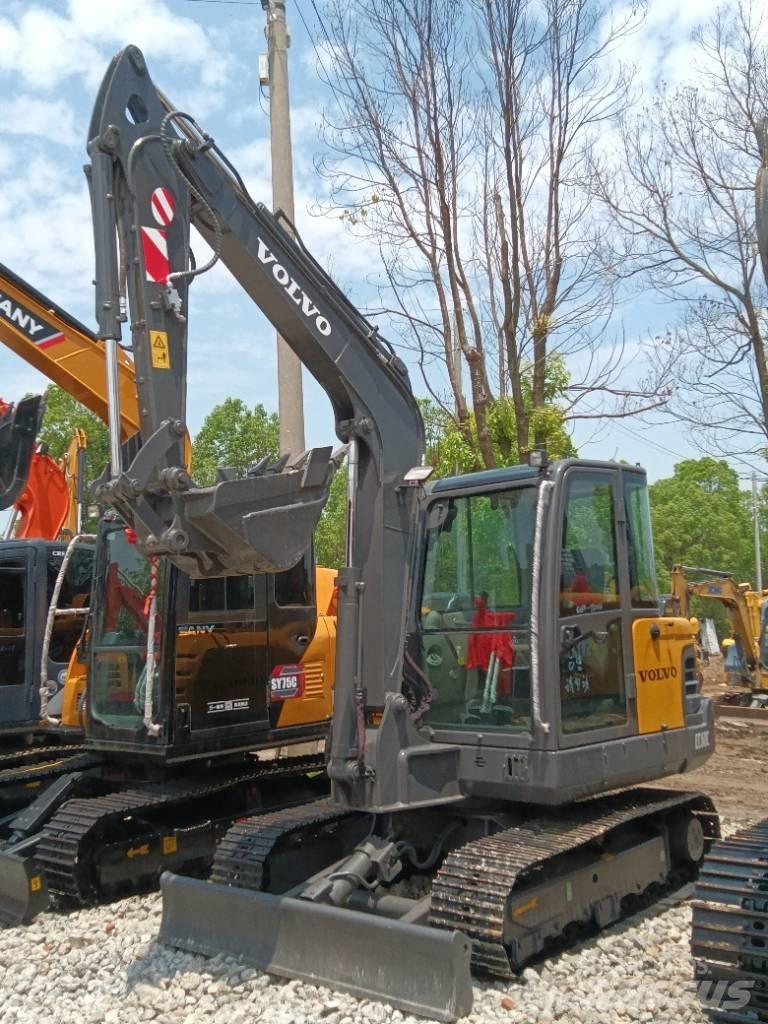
(661, 50)
(52, 120)
(45, 48)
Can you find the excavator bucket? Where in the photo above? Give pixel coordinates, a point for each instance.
(412, 967)
(19, 427)
(263, 522)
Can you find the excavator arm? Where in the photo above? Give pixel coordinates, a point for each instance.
(43, 506)
(153, 173)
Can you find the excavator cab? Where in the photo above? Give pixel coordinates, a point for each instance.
(231, 656)
(502, 647)
(19, 426)
(28, 572)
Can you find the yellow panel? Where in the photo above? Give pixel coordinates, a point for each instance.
(319, 661)
(72, 711)
(659, 671)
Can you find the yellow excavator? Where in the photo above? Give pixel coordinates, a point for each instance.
(743, 606)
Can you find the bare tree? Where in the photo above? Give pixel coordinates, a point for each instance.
(683, 196)
(460, 138)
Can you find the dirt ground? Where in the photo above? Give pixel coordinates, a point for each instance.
(736, 776)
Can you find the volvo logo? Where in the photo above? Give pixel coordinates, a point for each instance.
(293, 289)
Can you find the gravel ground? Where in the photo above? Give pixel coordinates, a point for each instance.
(103, 965)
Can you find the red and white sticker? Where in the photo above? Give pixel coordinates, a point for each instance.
(163, 207)
(286, 681)
(154, 244)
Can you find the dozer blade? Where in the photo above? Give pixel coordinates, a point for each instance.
(23, 889)
(18, 437)
(413, 967)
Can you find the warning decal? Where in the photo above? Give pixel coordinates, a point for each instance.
(162, 206)
(21, 319)
(154, 245)
(161, 356)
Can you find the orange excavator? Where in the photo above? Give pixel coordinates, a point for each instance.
(49, 506)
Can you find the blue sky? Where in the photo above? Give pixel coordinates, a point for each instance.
(204, 55)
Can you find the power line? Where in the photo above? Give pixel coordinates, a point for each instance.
(228, 3)
(311, 35)
(679, 455)
(646, 440)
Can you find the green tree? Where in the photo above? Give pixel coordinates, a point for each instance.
(234, 435)
(62, 414)
(331, 530)
(702, 518)
(450, 450)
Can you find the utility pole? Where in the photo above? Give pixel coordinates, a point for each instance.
(290, 395)
(756, 524)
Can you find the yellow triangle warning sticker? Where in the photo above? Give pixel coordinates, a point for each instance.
(158, 344)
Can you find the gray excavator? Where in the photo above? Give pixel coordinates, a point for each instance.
(503, 675)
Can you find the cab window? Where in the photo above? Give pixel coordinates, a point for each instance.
(588, 575)
(12, 623)
(642, 564)
(75, 594)
(475, 610)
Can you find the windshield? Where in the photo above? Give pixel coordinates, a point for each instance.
(119, 640)
(476, 608)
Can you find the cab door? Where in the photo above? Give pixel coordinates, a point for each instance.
(595, 651)
(17, 635)
(221, 653)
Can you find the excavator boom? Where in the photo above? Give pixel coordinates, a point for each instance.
(66, 351)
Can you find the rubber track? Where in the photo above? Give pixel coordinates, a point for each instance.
(40, 772)
(730, 921)
(243, 852)
(64, 840)
(472, 888)
(31, 755)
